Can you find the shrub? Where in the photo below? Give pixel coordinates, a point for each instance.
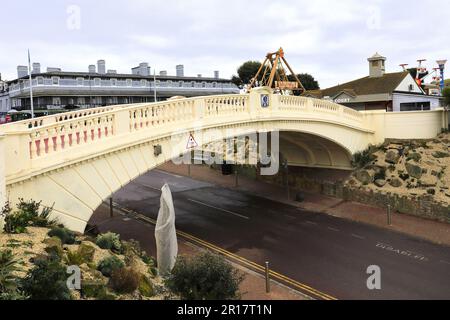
(146, 287)
(8, 282)
(66, 236)
(109, 241)
(362, 158)
(96, 289)
(47, 281)
(27, 214)
(125, 280)
(204, 277)
(54, 247)
(109, 264)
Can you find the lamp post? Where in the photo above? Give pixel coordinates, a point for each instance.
(441, 64)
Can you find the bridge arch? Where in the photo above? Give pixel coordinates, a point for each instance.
(76, 162)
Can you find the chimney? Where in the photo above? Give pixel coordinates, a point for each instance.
(101, 66)
(199, 75)
(22, 71)
(376, 65)
(216, 74)
(180, 70)
(36, 68)
(92, 68)
(163, 73)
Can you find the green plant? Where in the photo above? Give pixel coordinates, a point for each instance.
(66, 236)
(109, 264)
(95, 289)
(8, 265)
(109, 241)
(27, 214)
(125, 280)
(362, 158)
(146, 287)
(47, 281)
(204, 277)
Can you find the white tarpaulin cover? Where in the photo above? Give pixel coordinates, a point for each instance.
(165, 233)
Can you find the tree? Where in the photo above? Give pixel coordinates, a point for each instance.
(446, 94)
(248, 70)
(307, 80)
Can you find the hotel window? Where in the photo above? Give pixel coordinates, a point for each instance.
(80, 101)
(193, 84)
(80, 81)
(203, 84)
(40, 80)
(55, 81)
(56, 101)
(97, 82)
(214, 84)
(129, 82)
(143, 83)
(158, 82)
(180, 84)
(114, 82)
(169, 83)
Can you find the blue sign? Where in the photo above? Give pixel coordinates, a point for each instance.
(264, 100)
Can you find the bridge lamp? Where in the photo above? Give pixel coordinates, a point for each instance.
(441, 64)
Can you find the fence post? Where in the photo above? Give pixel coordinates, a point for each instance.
(267, 277)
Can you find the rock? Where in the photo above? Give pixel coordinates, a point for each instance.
(413, 170)
(440, 154)
(380, 183)
(363, 176)
(396, 183)
(414, 156)
(431, 191)
(392, 156)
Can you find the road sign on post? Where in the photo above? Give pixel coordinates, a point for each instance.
(191, 142)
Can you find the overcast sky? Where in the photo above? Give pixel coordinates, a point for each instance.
(329, 39)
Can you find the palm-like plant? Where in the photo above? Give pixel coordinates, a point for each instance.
(8, 265)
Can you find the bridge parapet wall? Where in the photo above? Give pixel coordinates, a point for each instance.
(31, 148)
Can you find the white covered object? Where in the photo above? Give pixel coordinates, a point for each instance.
(165, 233)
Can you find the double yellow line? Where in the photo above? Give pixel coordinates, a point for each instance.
(252, 265)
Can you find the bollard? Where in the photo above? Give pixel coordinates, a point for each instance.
(267, 277)
(389, 219)
(111, 208)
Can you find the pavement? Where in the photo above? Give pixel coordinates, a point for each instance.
(321, 255)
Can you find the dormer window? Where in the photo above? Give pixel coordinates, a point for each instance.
(129, 82)
(80, 81)
(97, 82)
(40, 80)
(114, 82)
(143, 83)
(55, 81)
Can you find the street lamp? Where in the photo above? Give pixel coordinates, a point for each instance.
(441, 64)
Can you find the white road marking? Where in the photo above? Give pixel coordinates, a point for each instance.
(407, 253)
(217, 208)
(310, 222)
(357, 236)
(148, 186)
(333, 229)
(169, 174)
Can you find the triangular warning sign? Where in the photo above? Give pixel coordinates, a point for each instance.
(191, 142)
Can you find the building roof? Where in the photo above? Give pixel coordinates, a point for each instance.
(364, 86)
(121, 76)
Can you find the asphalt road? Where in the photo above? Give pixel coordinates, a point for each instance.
(327, 253)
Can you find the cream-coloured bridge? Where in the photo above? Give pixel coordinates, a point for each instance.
(75, 161)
